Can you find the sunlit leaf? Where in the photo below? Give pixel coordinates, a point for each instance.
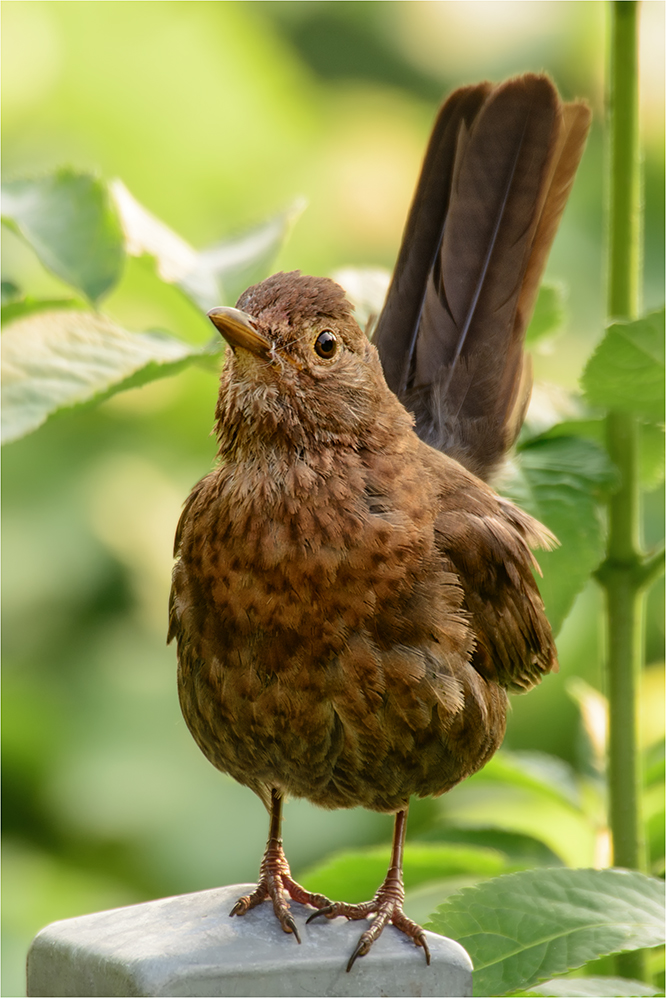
(590, 987)
(654, 767)
(21, 307)
(560, 482)
(10, 292)
(539, 771)
(522, 851)
(593, 707)
(532, 794)
(525, 927)
(626, 371)
(557, 409)
(234, 264)
(549, 313)
(60, 359)
(355, 875)
(213, 276)
(651, 455)
(70, 222)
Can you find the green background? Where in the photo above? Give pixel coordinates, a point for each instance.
(215, 116)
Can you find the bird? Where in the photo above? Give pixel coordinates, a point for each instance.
(351, 599)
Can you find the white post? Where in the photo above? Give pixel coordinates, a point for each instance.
(188, 945)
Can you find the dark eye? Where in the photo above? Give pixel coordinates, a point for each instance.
(326, 344)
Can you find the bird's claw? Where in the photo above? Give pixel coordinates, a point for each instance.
(331, 910)
(240, 907)
(289, 925)
(386, 909)
(362, 947)
(277, 885)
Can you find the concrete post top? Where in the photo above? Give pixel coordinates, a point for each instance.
(189, 945)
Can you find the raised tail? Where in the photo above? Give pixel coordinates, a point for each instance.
(495, 180)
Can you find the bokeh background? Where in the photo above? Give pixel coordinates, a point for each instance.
(216, 115)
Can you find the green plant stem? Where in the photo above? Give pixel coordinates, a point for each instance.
(622, 574)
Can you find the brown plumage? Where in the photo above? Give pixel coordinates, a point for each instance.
(350, 604)
(496, 177)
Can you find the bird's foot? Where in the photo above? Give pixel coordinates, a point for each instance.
(276, 883)
(386, 906)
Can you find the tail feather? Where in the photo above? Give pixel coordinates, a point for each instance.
(495, 181)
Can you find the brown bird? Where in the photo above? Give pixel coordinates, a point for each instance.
(350, 601)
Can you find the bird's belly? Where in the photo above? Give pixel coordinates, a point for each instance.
(335, 665)
(359, 728)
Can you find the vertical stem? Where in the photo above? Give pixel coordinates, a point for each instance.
(624, 208)
(620, 572)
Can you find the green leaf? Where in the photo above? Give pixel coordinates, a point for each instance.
(356, 875)
(69, 221)
(654, 765)
(60, 359)
(593, 707)
(651, 455)
(10, 292)
(590, 987)
(551, 406)
(234, 264)
(525, 927)
(209, 277)
(530, 793)
(523, 852)
(538, 771)
(549, 313)
(562, 405)
(626, 371)
(28, 306)
(560, 481)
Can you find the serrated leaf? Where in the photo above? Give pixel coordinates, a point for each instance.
(651, 436)
(549, 313)
(70, 222)
(212, 276)
(591, 987)
(526, 927)
(355, 875)
(61, 359)
(559, 481)
(626, 371)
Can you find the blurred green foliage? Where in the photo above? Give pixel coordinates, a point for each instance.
(217, 116)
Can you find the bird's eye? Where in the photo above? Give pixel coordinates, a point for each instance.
(326, 344)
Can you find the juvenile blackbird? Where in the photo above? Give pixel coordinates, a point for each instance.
(351, 600)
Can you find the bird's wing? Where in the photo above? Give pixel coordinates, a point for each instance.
(486, 541)
(495, 180)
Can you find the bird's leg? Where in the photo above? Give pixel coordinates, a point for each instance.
(275, 878)
(386, 904)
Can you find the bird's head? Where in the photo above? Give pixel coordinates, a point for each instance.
(300, 371)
